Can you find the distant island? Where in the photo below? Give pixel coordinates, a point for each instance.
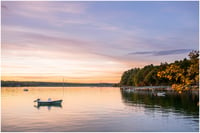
(53, 84)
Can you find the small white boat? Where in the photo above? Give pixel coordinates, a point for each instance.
(161, 94)
(49, 102)
(129, 90)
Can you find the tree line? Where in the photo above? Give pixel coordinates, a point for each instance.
(32, 83)
(181, 75)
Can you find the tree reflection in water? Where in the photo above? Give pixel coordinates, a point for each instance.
(172, 102)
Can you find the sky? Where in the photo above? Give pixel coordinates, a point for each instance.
(92, 42)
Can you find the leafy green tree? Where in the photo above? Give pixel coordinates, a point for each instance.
(193, 71)
(151, 78)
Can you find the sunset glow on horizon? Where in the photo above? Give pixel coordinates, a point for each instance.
(92, 42)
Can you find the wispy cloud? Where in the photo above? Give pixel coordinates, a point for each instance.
(46, 11)
(57, 14)
(91, 39)
(161, 53)
(36, 39)
(45, 7)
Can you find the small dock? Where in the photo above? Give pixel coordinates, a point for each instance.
(155, 89)
(147, 88)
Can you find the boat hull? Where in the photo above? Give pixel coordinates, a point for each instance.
(58, 102)
(162, 94)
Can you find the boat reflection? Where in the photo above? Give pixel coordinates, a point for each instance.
(48, 106)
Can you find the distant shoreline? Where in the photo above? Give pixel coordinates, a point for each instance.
(51, 84)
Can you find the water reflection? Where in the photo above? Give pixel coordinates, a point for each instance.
(48, 106)
(172, 102)
(96, 109)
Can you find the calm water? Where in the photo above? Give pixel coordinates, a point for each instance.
(97, 109)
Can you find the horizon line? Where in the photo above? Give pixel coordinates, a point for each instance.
(60, 82)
